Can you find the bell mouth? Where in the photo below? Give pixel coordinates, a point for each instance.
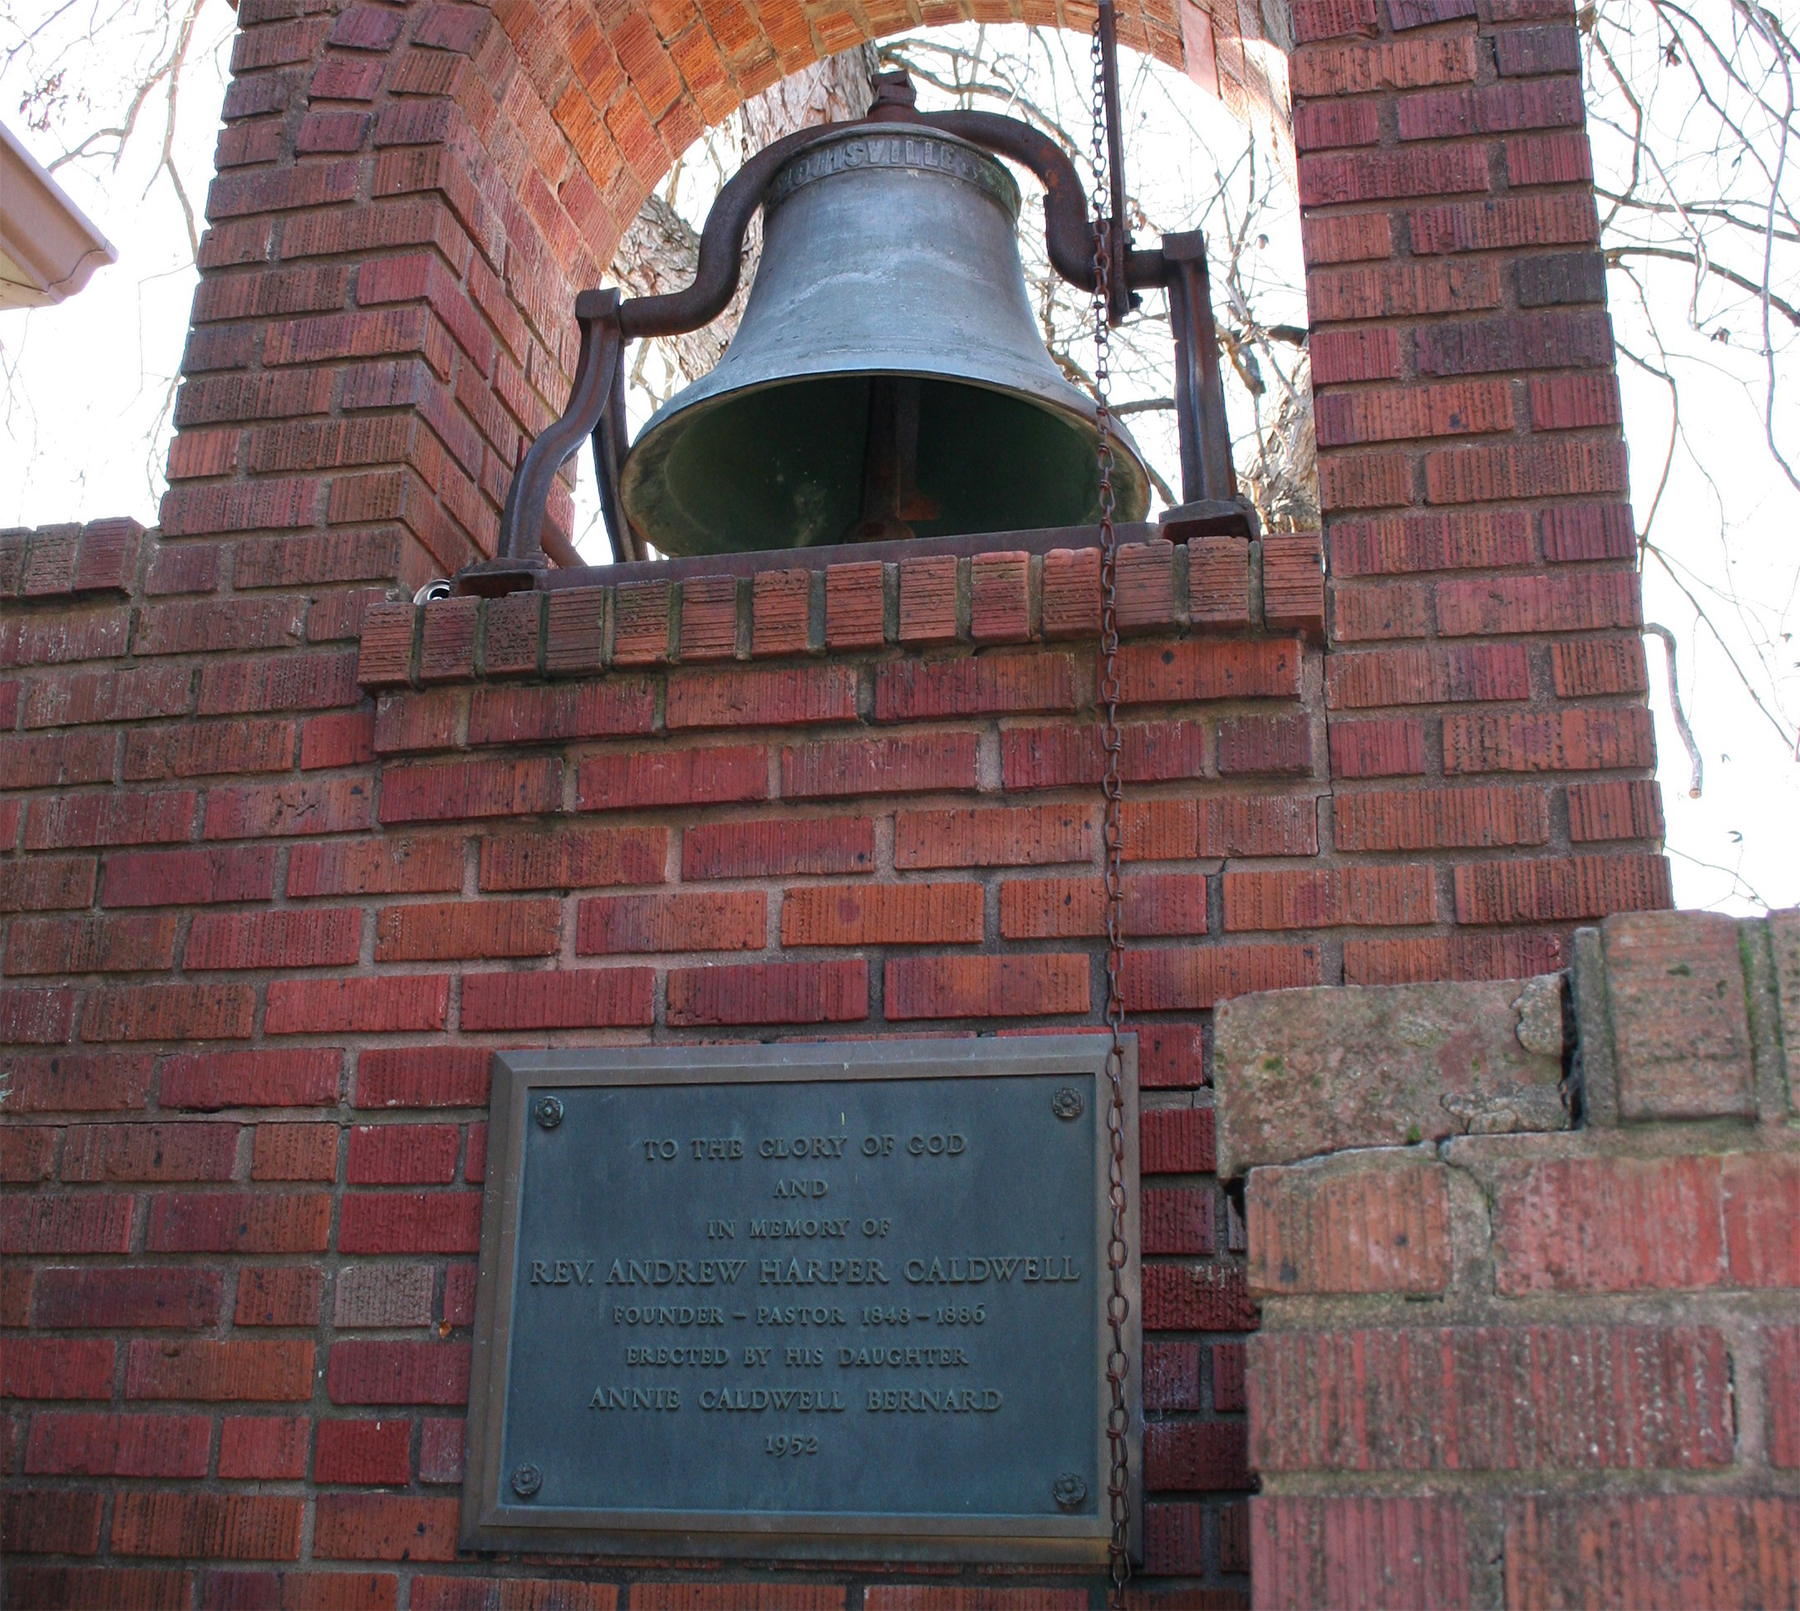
(782, 465)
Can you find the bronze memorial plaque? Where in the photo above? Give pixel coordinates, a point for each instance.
(826, 1301)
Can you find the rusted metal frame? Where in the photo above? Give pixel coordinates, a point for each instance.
(522, 536)
(1206, 469)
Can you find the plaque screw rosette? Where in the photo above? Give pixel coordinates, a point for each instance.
(549, 1111)
(526, 1480)
(1067, 1103)
(1068, 1490)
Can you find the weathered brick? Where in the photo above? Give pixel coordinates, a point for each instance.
(1177, 1141)
(153, 1152)
(1558, 741)
(284, 1295)
(423, 1077)
(1419, 958)
(1560, 890)
(1692, 1549)
(49, 883)
(775, 697)
(387, 866)
(1680, 1024)
(303, 939)
(1609, 1225)
(311, 806)
(882, 914)
(142, 818)
(371, 1006)
(89, 1444)
(780, 613)
(1420, 676)
(1430, 542)
(199, 1526)
(439, 931)
(997, 836)
(1177, 1220)
(1055, 908)
(777, 847)
(362, 1451)
(1196, 1456)
(189, 877)
(858, 766)
(708, 921)
(403, 1154)
(582, 999)
(536, 715)
(168, 1012)
(986, 987)
(626, 780)
(69, 945)
(769, 993)
(398, 1373)
(263, 1448)
(213, 1080)
(1201, 669)
(1408, 1551)
(51, 1522)
(1621, 810)
(1517, 341)
(1439, 819)
(410, 1222)
(462, 789)
(1585, 601)
(1171, 1376)
(1307, 899)
(1379, 1226)
(1320, 71)
(1196, 1297)
(56, 1368)
(238, 1222)
(1051, 757)
(574, 858)
(1598, 665)
(201, 1368)
(1183, 978)
(380, 1527)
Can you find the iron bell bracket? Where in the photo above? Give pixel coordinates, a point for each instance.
(596, 409)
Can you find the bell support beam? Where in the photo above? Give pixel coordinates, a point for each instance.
(522, 536)
(1208, 481)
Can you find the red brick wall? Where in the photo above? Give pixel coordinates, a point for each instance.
(1534, 1368)
(282, 859)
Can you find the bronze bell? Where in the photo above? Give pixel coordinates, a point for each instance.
(888, 378)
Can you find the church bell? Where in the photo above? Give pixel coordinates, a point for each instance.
(888, 378)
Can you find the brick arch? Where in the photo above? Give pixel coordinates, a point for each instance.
(408, 202)
(631, 94)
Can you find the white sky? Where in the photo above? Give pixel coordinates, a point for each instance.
(83, 429)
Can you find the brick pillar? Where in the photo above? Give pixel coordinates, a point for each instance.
(1486, 685)
(1531, 1311)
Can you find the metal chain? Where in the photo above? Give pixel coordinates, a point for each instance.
(1118, 1306)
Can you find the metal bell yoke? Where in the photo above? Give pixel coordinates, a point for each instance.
(887, 378)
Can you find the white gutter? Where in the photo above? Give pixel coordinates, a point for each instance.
(48, 248)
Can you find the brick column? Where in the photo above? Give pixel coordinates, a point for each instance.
(1531, 1313)
(1487, 683)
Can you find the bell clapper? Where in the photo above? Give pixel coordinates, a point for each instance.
(891, 497)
